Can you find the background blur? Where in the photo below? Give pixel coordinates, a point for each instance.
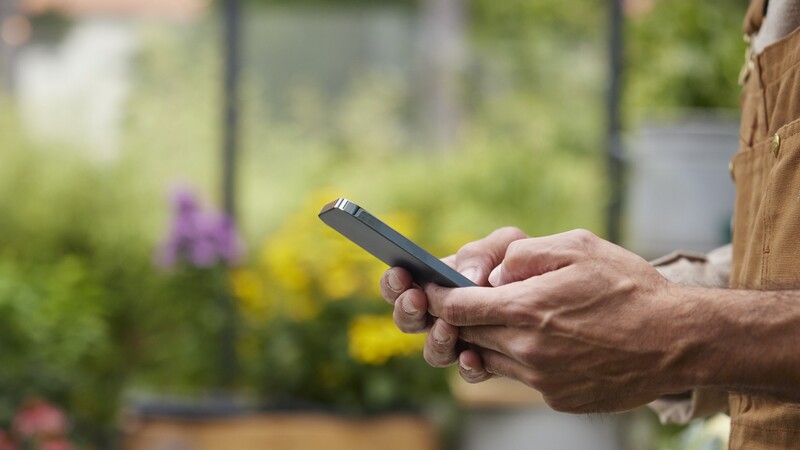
(150, 279)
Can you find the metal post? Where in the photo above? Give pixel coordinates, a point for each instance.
(614, 149)
(231, 38)
(443, 34)
(231, 29)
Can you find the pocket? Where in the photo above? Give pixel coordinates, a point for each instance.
(781, 211)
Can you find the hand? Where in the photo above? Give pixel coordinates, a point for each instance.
(475, 261)
(590, 325)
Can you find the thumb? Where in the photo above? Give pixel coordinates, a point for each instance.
(477, 259)
(531, 257)
(496, 278)
(501, 276)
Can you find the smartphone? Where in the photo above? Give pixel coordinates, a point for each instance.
(379, 239)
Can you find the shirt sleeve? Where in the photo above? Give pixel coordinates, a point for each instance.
(694, 269)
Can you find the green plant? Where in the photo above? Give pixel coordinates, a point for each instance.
(85, 315)
(316, 329)
(684, 55)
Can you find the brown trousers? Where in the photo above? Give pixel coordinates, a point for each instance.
(766, 233)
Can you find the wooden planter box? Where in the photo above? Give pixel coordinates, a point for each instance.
(284, 431)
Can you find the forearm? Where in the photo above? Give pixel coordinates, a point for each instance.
(711, 270)
(742, 341)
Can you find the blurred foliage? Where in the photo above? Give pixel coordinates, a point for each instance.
(685, 54)
(315, 328)
(85, 316)
(83, 311)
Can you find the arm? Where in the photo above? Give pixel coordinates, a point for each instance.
(750, 349)
(704, 270)
(595, 328)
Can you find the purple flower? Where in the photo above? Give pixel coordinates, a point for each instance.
(199, 238)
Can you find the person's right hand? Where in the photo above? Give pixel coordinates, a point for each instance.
(475, 261)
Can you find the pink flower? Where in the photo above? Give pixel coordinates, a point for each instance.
(5, 441)
(39, 418)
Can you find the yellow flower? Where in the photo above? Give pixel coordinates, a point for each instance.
(339, 282)
(305, 263)
(373, 339)
(249, 292)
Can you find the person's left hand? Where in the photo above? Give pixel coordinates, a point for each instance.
(475, 261)
(590, 325)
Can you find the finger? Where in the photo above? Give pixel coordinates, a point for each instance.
(440, 347)
(506, 340)
(468, 305)
(501, 365)
(394, 282)
(411, 311)
(524, 303)
(477, 259)
(528, 258)
(470, 367)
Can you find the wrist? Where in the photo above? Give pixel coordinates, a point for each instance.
(696, 358)
(733, 338)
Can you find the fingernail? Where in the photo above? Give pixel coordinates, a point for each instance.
(408, 307)
(394, 282)
(472, 274)
(439, 335)
(496, 275)
(464, 366)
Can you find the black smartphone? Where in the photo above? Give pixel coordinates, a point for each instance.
(391, 247)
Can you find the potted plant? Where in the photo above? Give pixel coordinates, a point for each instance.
(317, 350)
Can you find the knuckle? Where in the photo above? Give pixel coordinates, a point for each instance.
(528, 353)
(583, 238)
(532, 379)
(511, 233)
(492, 370)
(468, 250)
(452, 312)
(472, 254)
(515, 248)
